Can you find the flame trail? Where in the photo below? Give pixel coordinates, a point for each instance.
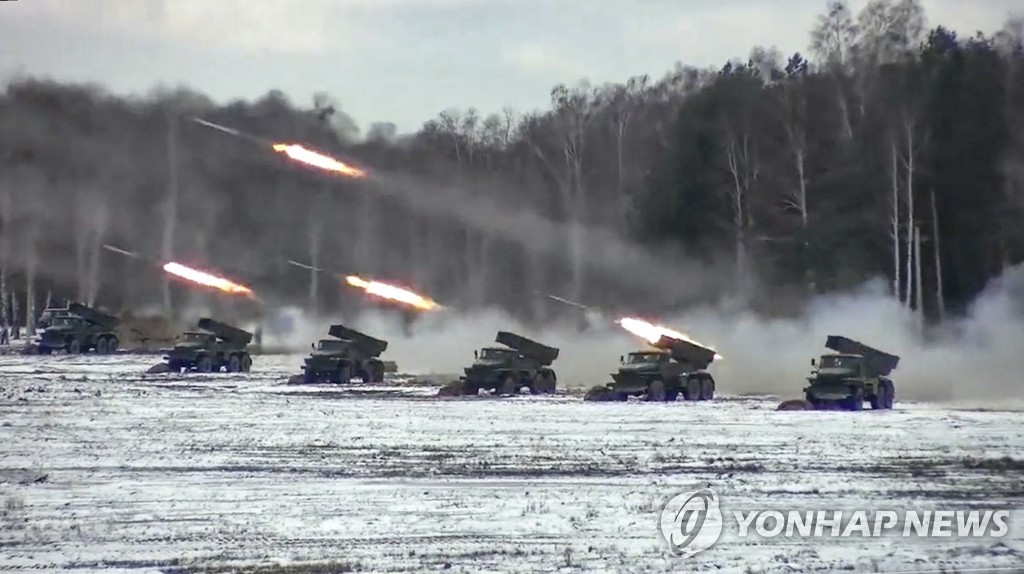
(319, 160)
(204, 278)
(392, 293)
(652, 332)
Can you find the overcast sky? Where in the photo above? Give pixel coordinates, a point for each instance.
(406, 60)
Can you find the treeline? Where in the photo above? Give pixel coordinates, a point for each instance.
(889, 149)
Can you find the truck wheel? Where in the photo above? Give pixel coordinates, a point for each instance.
(890, 395)
(855, 401)
(74, 347)
(877, 400)
(246, 363)
(692, 389)
(707, 389)
(342, 376)
(377, 373)
(809, 397)
(112, 343)
(309, 377)
(507, 386)
(656, 391)
(234, 364)
(45, 350)
(543, 384)
(205, 365)
(550, 385)
(101, 346)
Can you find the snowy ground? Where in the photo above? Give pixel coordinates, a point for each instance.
(104, 467)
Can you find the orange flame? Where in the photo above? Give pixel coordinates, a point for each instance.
(203, 278)
(392, 293)
(316, 159)
(652, 332)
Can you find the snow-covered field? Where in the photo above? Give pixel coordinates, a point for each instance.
(104, 467)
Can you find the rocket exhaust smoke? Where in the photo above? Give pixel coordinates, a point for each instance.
(973, 362)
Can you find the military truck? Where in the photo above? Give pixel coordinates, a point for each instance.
(213, 347)
(673, 367)
(851, 375)
(78, 329)
(350, 354)
(505, 370)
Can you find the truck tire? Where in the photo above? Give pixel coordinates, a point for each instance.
(342, 376)
(101, 346)
(656, 391)
(204, 364)
(246, 363)
(542, 384)
(234, 364)
(885, 396)
(507, 386)
(74, 347)
(692, 392)
(855, 401)
(877, 400)
(707, 389)
(310, 377)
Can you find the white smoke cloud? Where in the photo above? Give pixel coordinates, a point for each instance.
(977, 359)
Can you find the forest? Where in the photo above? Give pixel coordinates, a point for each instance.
(889, 148)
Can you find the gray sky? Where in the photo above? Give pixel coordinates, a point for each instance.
(406, 60)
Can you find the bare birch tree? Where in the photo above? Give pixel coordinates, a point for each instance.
(940, 299)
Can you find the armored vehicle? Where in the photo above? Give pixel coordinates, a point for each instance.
(673, 367)
(350, 354)
(506, 370)
(78, 329)
(213, 347)
(851, 375)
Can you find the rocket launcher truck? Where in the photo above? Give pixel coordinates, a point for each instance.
(671, 368)
(852, 374)
(350, 354)
(79, 329)
(505, 370)
(212, 347)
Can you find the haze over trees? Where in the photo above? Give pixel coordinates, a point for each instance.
(891, 148)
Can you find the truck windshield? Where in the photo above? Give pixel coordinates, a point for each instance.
(329, 345)
(635, 358)
(62, 321)
(494, 354)
(194, 337)
(838, 362)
